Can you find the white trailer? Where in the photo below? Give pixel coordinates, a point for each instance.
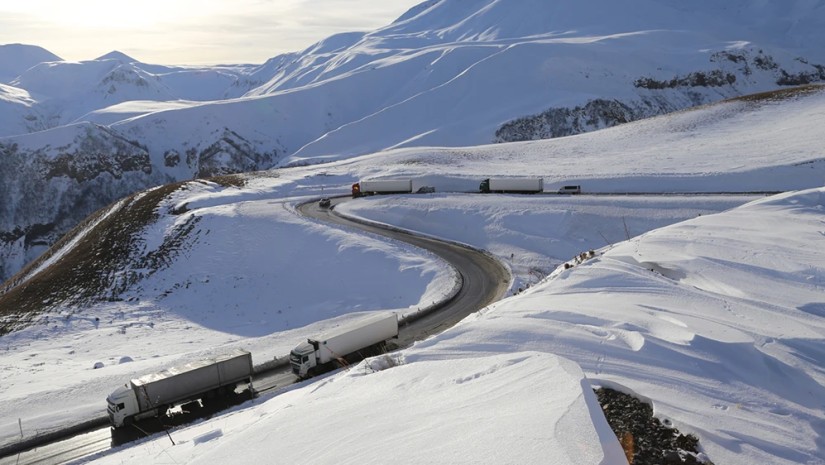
(512, 185)
(151, 395)
(382, 186)
(335, 345)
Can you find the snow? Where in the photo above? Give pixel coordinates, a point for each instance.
(536, 234)
(452, 73)
(552, 426)
(64, 91)
(277, 293)
(433, 77)
(290, 270)
(15, 105)
(717, 320)
(132, 109)
(17, 58)
(708, 306)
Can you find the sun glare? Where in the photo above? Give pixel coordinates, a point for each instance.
(202, 31)
(119, 14)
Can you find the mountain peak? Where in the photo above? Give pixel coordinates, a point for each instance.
(116, 55)
(17, 58)
(25, 50)
(415, 11)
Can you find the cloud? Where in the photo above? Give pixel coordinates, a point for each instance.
(189, 31)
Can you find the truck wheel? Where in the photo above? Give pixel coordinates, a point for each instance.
(128, 421)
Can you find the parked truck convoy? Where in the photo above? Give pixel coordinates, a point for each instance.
(512, 185)
(151, 395)
(489, 185)
(320, 352)
(382, 186)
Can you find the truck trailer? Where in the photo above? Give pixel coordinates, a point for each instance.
(151, 395)
(512, 185)
(320, 352)
(382, 186)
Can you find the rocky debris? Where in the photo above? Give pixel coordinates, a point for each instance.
(563, 121)
(729, 74)
(645, 440)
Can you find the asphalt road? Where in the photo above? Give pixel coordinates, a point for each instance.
(484, 280)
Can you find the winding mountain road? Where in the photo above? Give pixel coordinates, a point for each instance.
(483, 281)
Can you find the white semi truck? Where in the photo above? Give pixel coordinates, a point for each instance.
(319, 352)
(512, 185)
(382, 186)
(151, 395)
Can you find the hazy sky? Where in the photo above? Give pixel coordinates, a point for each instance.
(188, 31)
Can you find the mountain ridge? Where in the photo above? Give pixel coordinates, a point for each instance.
(445, 73)
(17, 58)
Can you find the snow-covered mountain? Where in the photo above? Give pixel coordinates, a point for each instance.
(447, 73)
(53, 184)
(17, 58)
(65, 91)
(714, 319)
(17, 114)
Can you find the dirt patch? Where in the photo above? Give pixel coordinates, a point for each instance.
(782, 94)
(230, 180)
(90, 271)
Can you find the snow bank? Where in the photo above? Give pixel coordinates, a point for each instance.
(250, 273)
(515, 408)
(718, 320)
(535, 234)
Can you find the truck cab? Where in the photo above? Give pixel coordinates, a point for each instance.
(121, 404)
(484, 187)
(302, 359)
(572, 190)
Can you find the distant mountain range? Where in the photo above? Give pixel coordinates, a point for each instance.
(75, 136)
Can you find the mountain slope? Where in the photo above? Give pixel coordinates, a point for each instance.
(447, 73)
(17, 58)
(456, 73)
(52, 187)
(68, 90)
(769, 142)
(716, 322)
(17, 115)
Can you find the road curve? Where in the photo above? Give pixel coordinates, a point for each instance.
(484, 280)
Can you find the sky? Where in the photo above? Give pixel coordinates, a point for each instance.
(184, 32)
